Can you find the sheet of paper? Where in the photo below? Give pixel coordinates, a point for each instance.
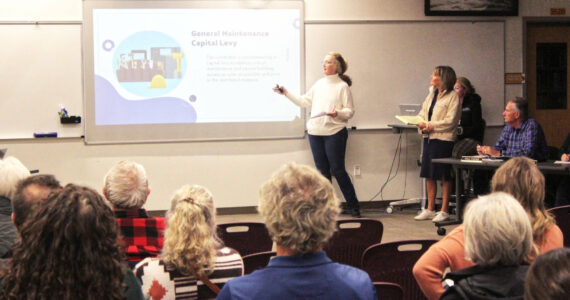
(410, 120)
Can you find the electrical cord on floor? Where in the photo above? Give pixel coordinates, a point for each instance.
(397, 154)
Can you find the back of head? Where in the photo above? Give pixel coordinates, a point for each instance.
(521, 178)
(548, 277)
(299, 208)
(448, 77)
(497, 231)
(68, 250)
(126, 185)
(190, 239)
(29, 192)
(11, 171)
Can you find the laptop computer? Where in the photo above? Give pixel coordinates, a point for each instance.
(409, 109)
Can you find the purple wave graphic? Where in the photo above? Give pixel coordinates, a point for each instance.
(112, 109)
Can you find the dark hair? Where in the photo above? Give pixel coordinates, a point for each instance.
(448, 78)
(521, 105)
(23, 202)
(68, 249)
(342, 65)
(549, 276)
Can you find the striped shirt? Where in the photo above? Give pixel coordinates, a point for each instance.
(161, 281)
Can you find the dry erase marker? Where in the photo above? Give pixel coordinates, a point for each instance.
(279, 88)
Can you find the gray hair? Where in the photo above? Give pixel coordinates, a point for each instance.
(126, 185)
(497, 231)
(521, 106)
(11, 172)
(299, 208)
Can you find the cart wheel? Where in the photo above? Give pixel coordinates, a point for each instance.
(389, 209)
(441, 231)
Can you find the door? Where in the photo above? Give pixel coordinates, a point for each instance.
(547, 51)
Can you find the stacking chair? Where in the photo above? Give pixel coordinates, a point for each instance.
(393, 262)
(245, 237)
(562, 216)
(252, 262)
(388, 291)
(353, 236)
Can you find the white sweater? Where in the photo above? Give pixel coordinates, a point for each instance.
(327, 93)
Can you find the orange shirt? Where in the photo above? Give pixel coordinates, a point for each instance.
(450, 253)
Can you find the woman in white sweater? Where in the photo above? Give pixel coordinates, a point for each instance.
(331, 105)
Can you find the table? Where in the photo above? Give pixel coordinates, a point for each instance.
(547, 167)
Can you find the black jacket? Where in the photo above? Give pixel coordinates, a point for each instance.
(492, 282)
(471, 119)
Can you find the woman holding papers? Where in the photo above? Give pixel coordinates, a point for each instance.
(440, 111)
(331, 105)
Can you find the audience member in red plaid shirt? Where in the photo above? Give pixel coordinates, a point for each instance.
(126, 187)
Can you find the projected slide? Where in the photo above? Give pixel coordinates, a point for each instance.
(196, 65)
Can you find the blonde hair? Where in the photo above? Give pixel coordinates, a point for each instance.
(466, 84)
(497, 231)
(341, 67)
(299, 208)
(11, 172)
(126, 185)
(521, 178)
(190, 239)
(448, 78)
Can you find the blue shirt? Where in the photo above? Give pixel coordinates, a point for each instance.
(310, 276)
(526, 140)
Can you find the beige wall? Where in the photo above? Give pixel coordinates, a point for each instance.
(233, 170)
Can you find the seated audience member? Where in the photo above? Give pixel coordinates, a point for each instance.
(519, 177)
(299, 208)
(11, 171)
(68, 249)
(29, 192)
(126, 187)
(522, 136)
(193, 256)
(548, 277)
(498, 254)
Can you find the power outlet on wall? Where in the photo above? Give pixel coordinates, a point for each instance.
(356, 171)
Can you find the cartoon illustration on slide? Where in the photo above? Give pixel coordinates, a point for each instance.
(149, 60)
(148, 65)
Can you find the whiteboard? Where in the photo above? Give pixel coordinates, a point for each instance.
(41, 71)
(390, 62)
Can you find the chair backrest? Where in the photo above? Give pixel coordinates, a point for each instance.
(245, 237)
(352, 237)
(252, 262)
(388, 291)
(393, 262)
(562, 216)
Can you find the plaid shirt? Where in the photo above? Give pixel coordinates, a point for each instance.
(527, 140)
(143, 236)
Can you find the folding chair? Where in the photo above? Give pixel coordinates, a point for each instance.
(393, 262)
(388, 290)
(562, 216)
(353, 236)
(245, 237)
(252, 262)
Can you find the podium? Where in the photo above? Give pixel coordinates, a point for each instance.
(422, 200)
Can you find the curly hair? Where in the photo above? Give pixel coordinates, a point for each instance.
(126, 185)
(68, 250)
(190, 238)
(299, 208)
(521, 178)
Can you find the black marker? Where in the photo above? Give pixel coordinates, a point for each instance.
(279, 88)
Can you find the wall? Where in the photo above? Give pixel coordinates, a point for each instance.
(235, 170)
